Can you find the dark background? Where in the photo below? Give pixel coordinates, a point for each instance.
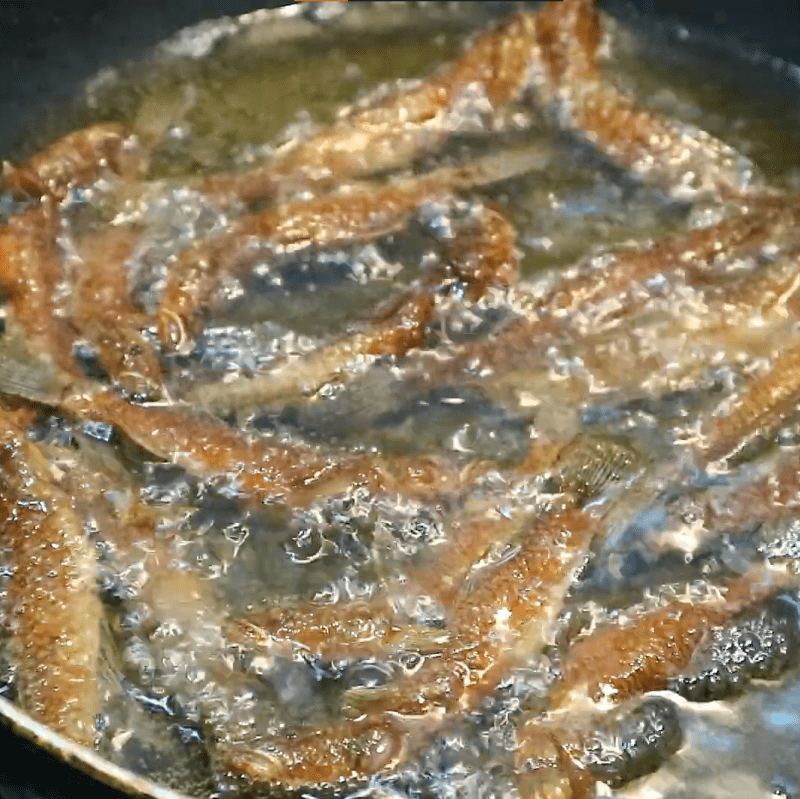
(49, 47)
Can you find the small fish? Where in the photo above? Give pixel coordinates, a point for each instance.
(55, 615)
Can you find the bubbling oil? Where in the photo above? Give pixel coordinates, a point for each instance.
(179, 679)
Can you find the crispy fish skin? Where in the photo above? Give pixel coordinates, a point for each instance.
(270, 470)
(618, 662)
(344, 629)
(394, 336)
(361, 214)
(764, 500)
(31, 273)
(334, 755)
(688, 255)
(545, 769)
(34, 275)
(104, 313)
(564, 757)
(80, 157)
(374, 627)
(675, 156)
(504, 602)
(323, 222)
(54, 612)
(307, 374)
(407, 124)
(480, 255)
(765, 403)
(267, 469)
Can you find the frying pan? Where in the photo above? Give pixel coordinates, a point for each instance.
(48, 49)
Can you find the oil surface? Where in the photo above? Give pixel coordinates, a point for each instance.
(266, 80)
